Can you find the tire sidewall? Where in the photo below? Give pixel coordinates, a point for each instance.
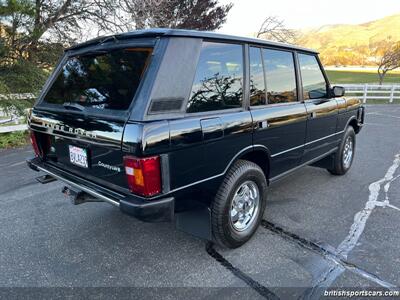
(231, 233)
(348, 133)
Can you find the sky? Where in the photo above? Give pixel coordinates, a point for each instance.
(246, 16)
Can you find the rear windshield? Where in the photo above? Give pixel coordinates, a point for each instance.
(99, 81)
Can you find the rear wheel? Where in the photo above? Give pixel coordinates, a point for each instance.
(344, 156)
(238, 207)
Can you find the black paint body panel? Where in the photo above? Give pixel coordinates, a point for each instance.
(196, 150)
(283, 134)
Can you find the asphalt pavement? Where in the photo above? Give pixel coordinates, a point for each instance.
(319, 232)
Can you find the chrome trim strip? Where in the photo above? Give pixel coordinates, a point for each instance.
(113, 202)
(196, 182)
(86, 140)
(288, 150)
(328, 136)
(81, 187)
(243, 150)
(311, 161)
(306, 144)
(214, 176)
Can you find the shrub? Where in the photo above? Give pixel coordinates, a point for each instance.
(23, 77)
(13, 139)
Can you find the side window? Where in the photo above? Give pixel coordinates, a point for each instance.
(257, 82)
(219, 78)
(280, 76)
(314, 84)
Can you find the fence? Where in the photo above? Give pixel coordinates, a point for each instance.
(373, 91)
(13, 128)
(363, 91)
(12, 122)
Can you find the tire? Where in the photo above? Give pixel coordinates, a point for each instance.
(244, 179)
(341, 161)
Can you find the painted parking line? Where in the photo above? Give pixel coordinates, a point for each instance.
(331, 255)
(361, 218)
(383, 115)
(255, 285)
(375, 124)
(13, 164)
(337, 258)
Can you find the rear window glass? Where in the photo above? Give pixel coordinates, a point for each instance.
(280, 75)
(101, 80)
(219, 76)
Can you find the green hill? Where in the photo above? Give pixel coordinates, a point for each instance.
(350, 44)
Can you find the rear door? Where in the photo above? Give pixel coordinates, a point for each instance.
(80, 118)
(279, 117)
(322, 110)
(216, 127)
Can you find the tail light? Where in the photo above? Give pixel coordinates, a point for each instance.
(40, 143)
(34, 143)
(143, 175)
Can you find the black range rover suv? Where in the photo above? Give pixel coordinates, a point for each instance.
(190, 127)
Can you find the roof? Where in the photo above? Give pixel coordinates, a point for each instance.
(189, 33)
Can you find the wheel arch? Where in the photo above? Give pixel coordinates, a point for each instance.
(257, 154)
(352, 121)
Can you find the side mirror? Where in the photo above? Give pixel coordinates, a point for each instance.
(338, 91)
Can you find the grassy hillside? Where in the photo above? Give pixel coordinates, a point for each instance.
(350, 44)
(360, 77)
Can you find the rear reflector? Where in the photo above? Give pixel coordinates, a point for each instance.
(143, 175)
(40, 143)
(35, 144)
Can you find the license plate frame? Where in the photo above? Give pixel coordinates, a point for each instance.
(78, 156)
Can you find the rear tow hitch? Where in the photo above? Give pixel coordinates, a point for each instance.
(78, 197)
(45, 179)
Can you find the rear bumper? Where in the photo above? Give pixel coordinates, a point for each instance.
(159, 210)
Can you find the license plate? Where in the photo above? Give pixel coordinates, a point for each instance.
(78, 156)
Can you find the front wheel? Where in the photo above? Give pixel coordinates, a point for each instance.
(344, 156)
(238, 207)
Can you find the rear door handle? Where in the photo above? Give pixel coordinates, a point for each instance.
(211, 128)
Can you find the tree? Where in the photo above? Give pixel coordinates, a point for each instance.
(29, 28)
(389, 60)
(274, 29)
(33, 33)
(216, 92)
(29, 25)
(184, 14)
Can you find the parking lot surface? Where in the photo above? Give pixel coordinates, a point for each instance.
(319, 231)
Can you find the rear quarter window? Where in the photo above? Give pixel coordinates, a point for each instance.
(101, 80)
(219, 78)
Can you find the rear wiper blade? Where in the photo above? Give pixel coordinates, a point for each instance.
(74, 106)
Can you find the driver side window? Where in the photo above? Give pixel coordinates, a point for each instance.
(314, 84)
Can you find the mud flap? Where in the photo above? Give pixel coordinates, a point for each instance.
(325, 163)
(195, 222)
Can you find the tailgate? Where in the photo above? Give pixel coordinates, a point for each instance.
(79, 119)
(86, 147)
